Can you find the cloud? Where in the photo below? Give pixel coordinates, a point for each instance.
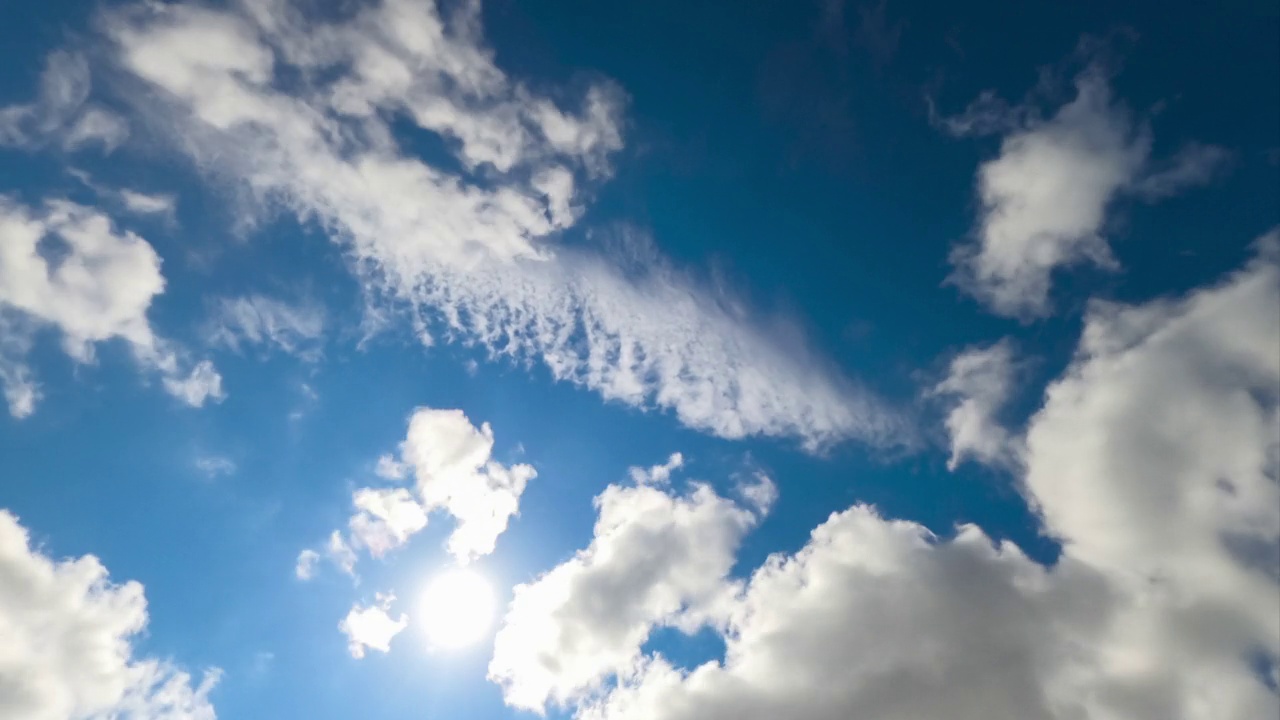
(202, 384)
(60, 111)
(141, 203)
(654, 555)
(1157, 454)
(131, 202)
(371, 626)
(656, 474)
(339, 551)
(305, 569)
(978, 385)
(1193, 165)
(264, 321)
(66, 267)
(1045, 198)
(68, 643)
(386, 518)
(215, 465)
(450, 461)
(1161, 605)
(21, 391)
(469, 244)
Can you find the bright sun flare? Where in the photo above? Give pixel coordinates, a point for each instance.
(456, 608)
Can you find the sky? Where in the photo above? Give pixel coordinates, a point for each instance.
(639, 361)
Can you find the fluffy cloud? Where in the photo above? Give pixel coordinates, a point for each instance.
(657, 474)
(371, 626)
(1162, 604)
(468, 244)
(385, 519)
(65, 266)
(656, 558)
(67, 650)
(60, 112)
(978, 384)
(451, 463)
(259, 320)
(1045, 197)
(1157, 455)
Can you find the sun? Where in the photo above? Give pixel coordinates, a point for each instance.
(456, 608)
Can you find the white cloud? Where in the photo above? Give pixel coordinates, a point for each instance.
(340, 552)
(386, 518)
(390, 468)
(1157, 454)
(451, 464)
(65, 266)
(215, 465)
(305, 568)
(21, 391)
(977, 387)
(129, 201)
(60, 111)
(96, 126)
(657, 474)
(1154, 460)
(68, 643)
(142, 203)
(1045, 198)
(202, 384)
(654, 555)
(259, 320)
(371, 627)
(471, 252)
(454, 472)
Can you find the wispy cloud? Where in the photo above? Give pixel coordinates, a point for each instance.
(257, 320)
(214, 466)
(60, 113)
(470, 245)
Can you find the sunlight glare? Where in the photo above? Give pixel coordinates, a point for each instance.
(456, 608)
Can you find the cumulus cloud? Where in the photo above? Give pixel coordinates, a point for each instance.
(450, 462)
(371, 626)
(657, 474)
(1045, 198)
(385, 518)
(656, 558)
(60, 113)
(239, 322)
(65, 266)
(1155, 461)
(469, 244)
(977, 387)
(68, 643)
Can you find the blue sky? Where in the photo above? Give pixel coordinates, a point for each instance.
(791, 359)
